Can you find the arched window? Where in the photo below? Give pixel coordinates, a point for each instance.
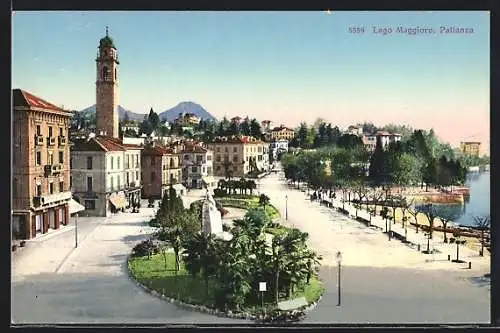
(116, 75)
(105, 73)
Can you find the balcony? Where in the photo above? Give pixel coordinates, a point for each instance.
(51, 141)
(53, 169)
(51, 199)
(39, 140)
(61, 140)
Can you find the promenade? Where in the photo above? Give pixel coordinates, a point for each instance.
(382, 281)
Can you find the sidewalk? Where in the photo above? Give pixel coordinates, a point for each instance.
(415, 240)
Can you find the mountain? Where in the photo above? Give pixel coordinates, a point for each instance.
(169, 115)
(186, 107)
(121, 111)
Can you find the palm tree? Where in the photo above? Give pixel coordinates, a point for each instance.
(264, 200)
(201, 256)
(482, 223)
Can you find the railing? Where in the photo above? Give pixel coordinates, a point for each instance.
(52, 169)
(39, 140)
(62, 140)
(51, 141)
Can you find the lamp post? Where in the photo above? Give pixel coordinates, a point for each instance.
(76, 230)
(339, 264)
(286, 207)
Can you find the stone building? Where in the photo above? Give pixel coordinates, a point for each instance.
(160, 169)
(471, 148)
(236, 156)
(281, 133)
(40, 166)
(107, 97)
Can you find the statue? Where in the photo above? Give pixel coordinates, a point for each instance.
(212, 219)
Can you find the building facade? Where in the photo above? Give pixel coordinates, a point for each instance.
(99, 177)
(187, 119)
(386, 138)
(40, 166)
(282, 133)
(197, 165)
(470, 148)
(278, 147)
(236, 156)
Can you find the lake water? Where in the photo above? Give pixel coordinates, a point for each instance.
(479, 201)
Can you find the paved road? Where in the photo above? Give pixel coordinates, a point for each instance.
(90, 285)
(389, 294)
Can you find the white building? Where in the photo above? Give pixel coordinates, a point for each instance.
(104, 175)
(370, 141)
(197, 165)
(277, 147)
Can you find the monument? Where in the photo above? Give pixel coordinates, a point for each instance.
(212, 219)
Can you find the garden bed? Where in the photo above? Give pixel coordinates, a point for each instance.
(164, 280)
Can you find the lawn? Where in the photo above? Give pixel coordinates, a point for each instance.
(247, 201)
(153, 274)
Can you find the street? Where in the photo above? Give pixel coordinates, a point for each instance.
(382, 282)
(53, 284)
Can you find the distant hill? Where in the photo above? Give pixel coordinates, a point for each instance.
(121, 110)
(186, 107)
(169, 115)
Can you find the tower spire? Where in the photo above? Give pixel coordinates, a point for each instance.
(107, 31)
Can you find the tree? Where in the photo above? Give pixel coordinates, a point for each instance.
(448, 213)
(378, 169)
(406, 169)
(120, 130)
(430, 211)
(483, 224)
(457, 239)
(234, 128)
(405, 207)
(200, 255)
(264, 200)
(302, 135)
(414, 213)
(255, 129)
(245, 126)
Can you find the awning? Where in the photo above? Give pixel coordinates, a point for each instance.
(118, 201)
(75, 207)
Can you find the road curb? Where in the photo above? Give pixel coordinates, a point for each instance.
(201, 308)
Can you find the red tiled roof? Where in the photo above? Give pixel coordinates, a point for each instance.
(119, 141)
(98, 143)
(156, 150)
(194, 148)
(237, 139)
(24, 98)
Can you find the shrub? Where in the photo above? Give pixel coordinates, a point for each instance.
(153, 222)
(219, 192)
(145, 248)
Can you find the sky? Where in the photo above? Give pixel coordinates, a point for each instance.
(286, 67)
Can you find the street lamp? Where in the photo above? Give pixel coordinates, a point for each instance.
(286, 207)
(76, 230)
(339, 264)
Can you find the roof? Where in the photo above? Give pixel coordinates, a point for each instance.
(193, 148)
(156, 150)
(23, 98)
(243, 139)
(119, 141)
(280, 128)
(98, 143)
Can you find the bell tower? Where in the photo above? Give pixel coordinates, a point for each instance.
(107, 88)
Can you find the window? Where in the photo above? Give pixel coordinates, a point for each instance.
(51, 188)
(89, 184)
(50, 131)
(186, 157)
(105, 73)
(112, 183)
(38, 130)
(118, 162)
(70, 181)
(61, 186)
(90, 204)
(61, 157)
(127, 161)
(61, 133)
(128, 178)
(209, 157)
(137, 175)
(136, 160)
(217, 158)
(235, 149)
(194, 169)
(209, 170)
(38, 190)
(199, 158)
(89, 162)
(235, 158)
(218, 149)
(246, 158)
(71, 163)
(116, 74)
(119, 181)
(152, 161)
(112, 162)
(38, 158)
(225, 149)
(51, 158)
(14, 187)
(218, 168)
(153, 176)
(172, 163)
